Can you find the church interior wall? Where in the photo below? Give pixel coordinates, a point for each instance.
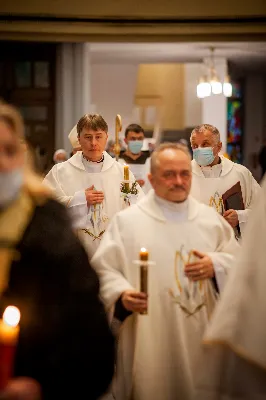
(165, 82)
(112, 91)
(254, 120)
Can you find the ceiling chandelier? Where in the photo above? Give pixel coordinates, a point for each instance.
(210, 83)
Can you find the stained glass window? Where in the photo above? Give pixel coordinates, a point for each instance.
(234, 124)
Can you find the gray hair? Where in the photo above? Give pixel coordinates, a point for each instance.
(207, 127)
(166, 146)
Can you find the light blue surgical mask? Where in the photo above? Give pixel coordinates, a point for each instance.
(135, 146)
(203, 156)
(10, 185)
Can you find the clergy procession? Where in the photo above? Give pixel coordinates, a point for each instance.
(134, 275)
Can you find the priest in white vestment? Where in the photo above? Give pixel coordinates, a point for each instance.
(218, 182)
(89, 183)
(233, 365)
(191, 250)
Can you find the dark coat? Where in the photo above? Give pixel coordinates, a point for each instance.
(65, 342)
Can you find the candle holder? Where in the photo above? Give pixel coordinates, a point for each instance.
(144, 277)
(128, 191)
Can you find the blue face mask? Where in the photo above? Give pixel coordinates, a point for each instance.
(203, 156)
(135, 146)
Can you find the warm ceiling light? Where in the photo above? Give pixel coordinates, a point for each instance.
(203, 88)
(227, 87)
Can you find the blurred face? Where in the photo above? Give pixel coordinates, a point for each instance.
(93, 143)
(132, 136)
(61, 157)
(206, 139)
(172, 177)
(11, 150)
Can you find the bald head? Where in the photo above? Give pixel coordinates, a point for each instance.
(168, 151)
(171, 172)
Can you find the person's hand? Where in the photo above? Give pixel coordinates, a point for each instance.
(93, 196)
(21, 389)
(134, 301)
(141, 182)
(201, 269)
(231, 217)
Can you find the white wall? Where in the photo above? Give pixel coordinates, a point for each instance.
(73, 92)
(214, 107)
(254, 121)
(113, 91)
(193, 105)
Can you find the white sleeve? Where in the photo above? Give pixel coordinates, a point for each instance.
(224, 256)
(110, 262)
(243, 215)
(79, 210)
(254, 191)
(53, 182)
(220, 269)
(76, 204)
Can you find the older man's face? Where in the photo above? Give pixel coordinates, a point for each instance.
(206, 139)
(171, 179)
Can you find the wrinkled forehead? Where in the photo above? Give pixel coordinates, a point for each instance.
(173, 160)
(205, 137)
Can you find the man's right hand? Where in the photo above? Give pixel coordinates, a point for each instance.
(93, 196)
(134, 301)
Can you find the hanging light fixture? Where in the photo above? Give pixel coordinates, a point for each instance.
(203, 88)
(213, 85)
(227, 87)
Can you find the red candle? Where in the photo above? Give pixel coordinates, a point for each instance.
(9, 332)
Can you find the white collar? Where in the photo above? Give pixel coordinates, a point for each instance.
(227, 165)
(77, 161)
(150, 206)
(170, 205)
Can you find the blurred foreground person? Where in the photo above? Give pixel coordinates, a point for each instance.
(234, 360)
(65, 343)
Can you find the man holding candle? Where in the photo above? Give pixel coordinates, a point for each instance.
(184, 251)
(89, 183)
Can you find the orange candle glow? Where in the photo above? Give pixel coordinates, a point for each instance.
(143, 255)
(9, 332)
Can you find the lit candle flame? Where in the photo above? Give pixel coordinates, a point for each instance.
(11, 316)
(143, 250)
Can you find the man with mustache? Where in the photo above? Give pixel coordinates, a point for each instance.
(191, 248)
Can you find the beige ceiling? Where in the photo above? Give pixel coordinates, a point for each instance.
(241, 53)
